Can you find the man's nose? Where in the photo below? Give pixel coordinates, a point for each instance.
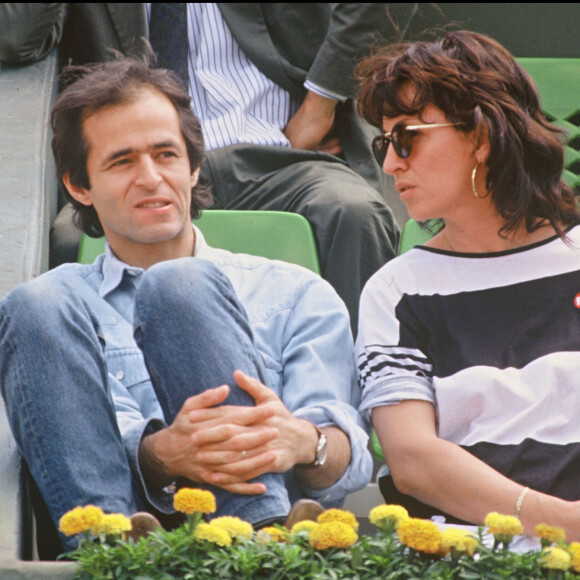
(148, 174)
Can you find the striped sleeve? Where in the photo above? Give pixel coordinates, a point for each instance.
(388, 371)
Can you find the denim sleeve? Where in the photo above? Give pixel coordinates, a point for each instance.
(134, 424)
(319, 382)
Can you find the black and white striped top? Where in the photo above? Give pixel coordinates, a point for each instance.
(493, 341)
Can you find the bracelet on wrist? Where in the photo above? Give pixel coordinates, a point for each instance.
(520, 501)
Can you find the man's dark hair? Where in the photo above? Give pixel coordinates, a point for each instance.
(89, 89)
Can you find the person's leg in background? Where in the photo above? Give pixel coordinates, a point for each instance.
(355, 230)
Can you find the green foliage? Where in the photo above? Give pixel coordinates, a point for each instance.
(176, 554)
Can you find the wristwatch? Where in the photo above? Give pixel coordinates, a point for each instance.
(321, 449)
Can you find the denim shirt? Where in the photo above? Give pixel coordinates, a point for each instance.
(300, 327)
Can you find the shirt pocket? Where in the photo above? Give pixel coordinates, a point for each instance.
(273, 370)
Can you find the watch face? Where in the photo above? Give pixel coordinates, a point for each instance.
(321, 450)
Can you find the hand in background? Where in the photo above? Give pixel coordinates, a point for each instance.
(311, 126)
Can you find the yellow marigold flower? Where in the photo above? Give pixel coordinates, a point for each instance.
(503, 528)
(550, 534)
(79, 520)
(305, 526)
(459, 541)
(420, 535)
(112, 524)
(189, 501)
(387, 516)
(337, 515)
(263, 537)
(555, 559)
(443, 551)
(333, 534)
(275, 534)
(213, 534)
(235, 527)
(574, 550)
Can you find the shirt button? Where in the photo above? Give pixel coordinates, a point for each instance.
(119, 375)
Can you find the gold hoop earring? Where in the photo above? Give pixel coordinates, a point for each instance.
(473, 187)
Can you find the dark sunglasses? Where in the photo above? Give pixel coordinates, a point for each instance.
(401, 136)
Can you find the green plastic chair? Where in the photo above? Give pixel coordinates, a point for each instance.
(558, 83)
(271, 234)
(414, 234)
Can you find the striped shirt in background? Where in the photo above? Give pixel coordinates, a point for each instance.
(234, 101)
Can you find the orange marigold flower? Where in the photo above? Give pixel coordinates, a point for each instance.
(235, 527)
(275, 534)
(574, 550)
(555, 559)
(80, 519)
(189, 501)
(550, 535)
(459, 542)
(303, 527)
(338, 515)
(213, 534)
(420, 535)
(333, 534)
(502, 527)
(112, 525)
(387, 516)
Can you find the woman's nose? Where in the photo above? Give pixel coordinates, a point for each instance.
(392, 161)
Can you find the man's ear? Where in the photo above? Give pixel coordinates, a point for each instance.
(194, 178)
(77, 192)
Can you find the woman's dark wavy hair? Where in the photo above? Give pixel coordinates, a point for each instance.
(477, 82)
(92, 87)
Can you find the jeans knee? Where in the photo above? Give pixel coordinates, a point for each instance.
(29, 306)
(172, 283)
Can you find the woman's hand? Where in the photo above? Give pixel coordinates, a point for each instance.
(443, 475)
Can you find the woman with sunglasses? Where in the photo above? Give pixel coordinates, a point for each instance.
(469, 346)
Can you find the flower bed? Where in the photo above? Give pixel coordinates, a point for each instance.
(330, 548)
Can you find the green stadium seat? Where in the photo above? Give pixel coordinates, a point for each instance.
(272, 234)
(558, 83)
(414, 234)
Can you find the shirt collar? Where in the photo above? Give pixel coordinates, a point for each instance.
(114, 269)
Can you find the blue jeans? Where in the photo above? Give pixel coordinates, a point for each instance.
(54, 379)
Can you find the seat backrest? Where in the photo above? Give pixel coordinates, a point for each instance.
(271, 234)
(413, 234)
(558, 83)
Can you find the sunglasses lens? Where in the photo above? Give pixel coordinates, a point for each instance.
(379, 146)
(401, 139)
